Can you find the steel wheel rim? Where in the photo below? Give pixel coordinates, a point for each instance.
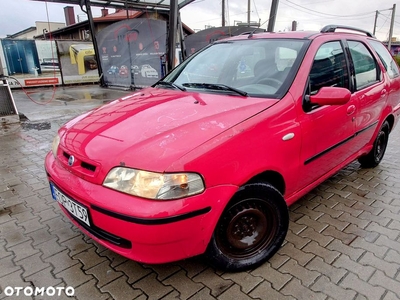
(247, 228)
(380, 146)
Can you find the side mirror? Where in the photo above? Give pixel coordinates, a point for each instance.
(331, 96)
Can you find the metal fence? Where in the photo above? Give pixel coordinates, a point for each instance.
(8, 110)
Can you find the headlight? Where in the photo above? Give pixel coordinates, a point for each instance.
(154, 185)
(54, 146)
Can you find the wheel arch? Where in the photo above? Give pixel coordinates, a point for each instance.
(390, 120)
(272, 177)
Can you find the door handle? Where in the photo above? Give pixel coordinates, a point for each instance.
(351, 109)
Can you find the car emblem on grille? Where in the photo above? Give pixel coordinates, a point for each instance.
(71, 160)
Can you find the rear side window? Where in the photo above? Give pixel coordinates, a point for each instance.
(386, 59)
(364, 64)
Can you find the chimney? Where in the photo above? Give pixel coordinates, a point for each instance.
(69, 15)
(104, 12)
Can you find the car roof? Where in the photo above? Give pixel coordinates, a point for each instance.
(327, 30)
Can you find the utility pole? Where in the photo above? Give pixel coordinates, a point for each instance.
(376, 18)
(173, 25)
(272, 15)
(248, 13)
(391, 27)
(223, 13)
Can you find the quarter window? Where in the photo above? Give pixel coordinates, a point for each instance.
(366, 72)
(386, 59)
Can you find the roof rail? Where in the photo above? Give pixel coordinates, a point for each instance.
(332, 28)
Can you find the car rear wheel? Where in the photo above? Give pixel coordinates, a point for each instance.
(251, 229)
(375, 156)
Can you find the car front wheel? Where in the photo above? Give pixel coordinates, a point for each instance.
(375, 156)
(251, 229)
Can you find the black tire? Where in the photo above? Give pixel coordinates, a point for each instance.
(257, 213)
(375, 156)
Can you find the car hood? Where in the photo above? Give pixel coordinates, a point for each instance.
(153, 128)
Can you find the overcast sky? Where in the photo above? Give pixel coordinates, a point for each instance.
(17, 15)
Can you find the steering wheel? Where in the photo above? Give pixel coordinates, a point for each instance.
(270, 81)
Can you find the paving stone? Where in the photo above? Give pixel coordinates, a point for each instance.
(330, 271)
(120, 289)
(316, 225)
(363, 271)
(380, 279)
(114, 257)
(369, 236)
(265, 291)
(89, 258)
(246, 281)
(152, 287)
(338, 246)
(61, 261)
(32, 264)
(185, 286)
(360, 243)
(193, 266)
(88, 290)
(103, 273)
(324, 285)
(326, 254)
(321, 239)
(133, 270)
(74, 276)
(76, 245)
(389, 268)
(234, 292)
(215, 283)
(307, 277)
(300, 256)
(298, 291)
(23, 250)
(298, 241)
(345, 238)
(276, 278)
(44, 278)
(203, 294)
(49, 248)
(40, 236)
(353, 282)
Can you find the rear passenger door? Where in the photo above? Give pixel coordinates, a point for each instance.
(369, 90)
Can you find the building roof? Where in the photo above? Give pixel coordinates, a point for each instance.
(27, 30)
(129, 4)
(113, 17)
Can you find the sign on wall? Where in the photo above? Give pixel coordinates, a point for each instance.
(130, 52)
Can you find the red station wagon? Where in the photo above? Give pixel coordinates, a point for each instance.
(209, 158)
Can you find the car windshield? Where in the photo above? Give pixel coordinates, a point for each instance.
(251, 67)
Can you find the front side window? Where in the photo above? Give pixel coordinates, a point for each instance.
(386, 59)
(256, 67)
(365, 67)
(329, 68)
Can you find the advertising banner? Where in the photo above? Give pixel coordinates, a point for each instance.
(130, 52)
(30, 63)
(78, 62)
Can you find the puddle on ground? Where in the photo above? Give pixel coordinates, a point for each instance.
(36, 126)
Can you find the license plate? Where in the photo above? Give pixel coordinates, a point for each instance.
(74, 208)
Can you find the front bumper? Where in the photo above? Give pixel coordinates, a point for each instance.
(149, 231)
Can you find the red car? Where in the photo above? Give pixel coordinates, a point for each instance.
(208, 161)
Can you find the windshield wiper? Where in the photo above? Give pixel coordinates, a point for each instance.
(214, 86)
(171, 84)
